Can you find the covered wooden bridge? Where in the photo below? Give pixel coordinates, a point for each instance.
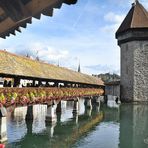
(19, 67)
(48, 82)
(76, 85)
(18, 13)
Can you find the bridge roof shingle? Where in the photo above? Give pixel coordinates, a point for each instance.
(14, 65)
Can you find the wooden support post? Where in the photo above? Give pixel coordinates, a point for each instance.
(33, 83)
(56, 84)
(65, 84)
(16, 82)
(39, 83)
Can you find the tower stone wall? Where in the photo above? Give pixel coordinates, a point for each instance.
(141, 71)
(134, 71)
(127, 72)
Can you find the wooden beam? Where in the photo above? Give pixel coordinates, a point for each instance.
(15, 9)
(48, 12)
(37, 16)
(3, 17)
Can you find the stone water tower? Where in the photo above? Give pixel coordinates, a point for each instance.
(132, 38)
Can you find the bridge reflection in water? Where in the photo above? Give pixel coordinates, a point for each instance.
(69, 127)
(122, 127)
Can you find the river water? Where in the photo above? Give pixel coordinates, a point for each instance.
(108, 126)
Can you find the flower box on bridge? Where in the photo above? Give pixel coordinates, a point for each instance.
(27, 96)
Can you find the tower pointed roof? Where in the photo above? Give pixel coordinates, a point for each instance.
(137, 18)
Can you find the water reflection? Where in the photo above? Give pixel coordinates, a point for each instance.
(96, 127)
(133, 126)
(69, 127)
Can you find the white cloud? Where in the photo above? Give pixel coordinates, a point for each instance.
(44, 52)
(113, 18)
(113, 22)
(53, 54)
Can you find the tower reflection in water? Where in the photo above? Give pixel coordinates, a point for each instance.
(134, 126)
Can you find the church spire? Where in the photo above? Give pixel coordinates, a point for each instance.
(79, 68)
(58, 64)
(27, 55)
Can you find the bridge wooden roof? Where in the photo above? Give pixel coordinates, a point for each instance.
(18, 13)
(14, 65)
(137, 18)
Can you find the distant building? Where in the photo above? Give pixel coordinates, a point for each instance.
(107, 77)
(112, 88)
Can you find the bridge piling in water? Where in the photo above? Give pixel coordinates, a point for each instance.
(76, 118)
(98, 100)
(3, 124)
(59, 108)
(98, 104)
(51, 128)
(29, 114)
(3, 129)
(88, 111)
(76, 107)
(88, 102)
(50, 117)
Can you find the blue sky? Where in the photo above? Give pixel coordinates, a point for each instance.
(83, 32)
